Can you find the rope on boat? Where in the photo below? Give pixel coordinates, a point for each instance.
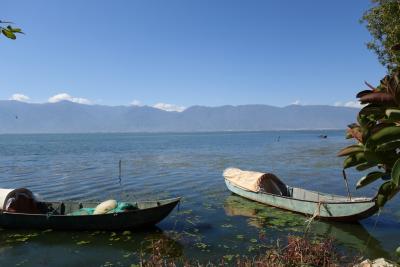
(317, 213)
(373, 229)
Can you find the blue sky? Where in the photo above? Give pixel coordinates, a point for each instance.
(204, 52)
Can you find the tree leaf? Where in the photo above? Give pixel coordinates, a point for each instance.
(18, 30)
(388, 146)
(381, 200)
(373, 157)
(372, 112)
(369, 178)
(9, 34)
(350, 150)
(365, 166)
(354, 160)
(396, 47)
(383, 193)
(396, 173)
(377, 98)
(363, 93)
(393, 114)
(356, 133)
(387, 134)
(11, 29)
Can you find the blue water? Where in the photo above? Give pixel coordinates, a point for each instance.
(211, 223)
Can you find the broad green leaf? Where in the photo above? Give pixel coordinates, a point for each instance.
(350, 150)
(393, 114)
(365, 166)
(383, 193)
(9, 34)
(385, 135)
(386, 188)
(372, 112)
(372, 157)
(389, 145)
(381, 200)
(11, 29)
(369, 178)
(396, 173)
(354, 160)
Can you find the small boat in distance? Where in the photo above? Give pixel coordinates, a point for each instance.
(20, 210)
(268, 189)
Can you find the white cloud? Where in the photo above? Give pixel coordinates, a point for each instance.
(67, 97)
(297, 102)
(349, 104)
(19, 97)
(169, 107)
(136, 103)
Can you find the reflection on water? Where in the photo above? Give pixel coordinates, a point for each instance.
(265, 217)
(97, 247)
(86, 167)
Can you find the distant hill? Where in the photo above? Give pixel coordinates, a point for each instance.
(68, 117)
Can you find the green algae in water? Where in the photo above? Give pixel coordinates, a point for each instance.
(255, 153)
(82, 242)
(228, 257)
(261, 216)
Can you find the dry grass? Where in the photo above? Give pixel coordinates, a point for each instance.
(299, 251)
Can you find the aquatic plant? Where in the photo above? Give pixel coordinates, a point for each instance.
(377, 132)
(299, 251)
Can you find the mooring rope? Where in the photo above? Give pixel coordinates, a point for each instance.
(317, 213)
(373, 229)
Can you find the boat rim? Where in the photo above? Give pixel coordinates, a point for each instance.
(367, 200)
(168, 202)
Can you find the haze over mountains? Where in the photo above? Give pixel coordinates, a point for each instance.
(69, 117)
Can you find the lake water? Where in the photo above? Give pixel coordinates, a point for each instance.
(210, 223)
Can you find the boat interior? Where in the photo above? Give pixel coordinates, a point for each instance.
(24, 201)
(307, 195)
(273, 185)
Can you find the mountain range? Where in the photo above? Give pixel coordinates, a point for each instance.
(69, 117)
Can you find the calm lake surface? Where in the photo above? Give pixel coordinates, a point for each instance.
(211, 223)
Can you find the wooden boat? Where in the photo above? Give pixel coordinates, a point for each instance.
(60, 215)
(266, 188)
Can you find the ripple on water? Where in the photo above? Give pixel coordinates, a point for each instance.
(211, 224)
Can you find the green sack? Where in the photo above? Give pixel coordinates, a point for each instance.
(121, 207)
(83, 211)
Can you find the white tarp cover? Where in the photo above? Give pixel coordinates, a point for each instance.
(256, 181)
(5, 194)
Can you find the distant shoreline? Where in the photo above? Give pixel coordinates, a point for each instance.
(180, 132)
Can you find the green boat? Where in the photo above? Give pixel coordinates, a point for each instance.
(268, 189)
(20, 210)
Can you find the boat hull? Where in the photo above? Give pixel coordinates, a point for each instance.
(334, 211)
(141, 218)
